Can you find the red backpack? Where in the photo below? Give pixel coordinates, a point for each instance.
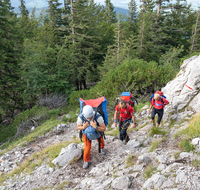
(127, 96)
(161, 95)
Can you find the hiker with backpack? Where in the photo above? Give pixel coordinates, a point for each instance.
(92, 122)
(158, 102)
(125, 112)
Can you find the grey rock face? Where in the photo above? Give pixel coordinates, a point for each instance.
(184, 88)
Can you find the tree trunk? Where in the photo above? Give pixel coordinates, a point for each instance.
(195, 31)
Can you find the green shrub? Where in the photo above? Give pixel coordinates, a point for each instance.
(140, 106)
(9, 131)
(186, 145)
(84, 94)
(193, 129)
(135, 76)
(72, 117)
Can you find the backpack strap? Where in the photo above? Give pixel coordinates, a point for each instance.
(127, 107)
(81, 131)
(161, 100)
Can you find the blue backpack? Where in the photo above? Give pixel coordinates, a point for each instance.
(90, 132)
(100, 107)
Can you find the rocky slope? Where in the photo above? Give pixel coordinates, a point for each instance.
(135, 165)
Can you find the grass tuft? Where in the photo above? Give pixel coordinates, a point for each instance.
(157, 131)
(155, 144)
(131, 160)
(114, 132)
(149, 171)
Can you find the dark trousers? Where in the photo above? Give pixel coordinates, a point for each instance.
(123, 126)
(159, 112)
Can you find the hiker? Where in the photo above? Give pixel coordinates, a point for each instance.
(126, 113)
(88, 114)
(158, 103)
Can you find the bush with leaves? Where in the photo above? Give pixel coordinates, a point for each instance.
(136, 76)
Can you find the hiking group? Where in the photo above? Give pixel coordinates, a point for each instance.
(93, 119)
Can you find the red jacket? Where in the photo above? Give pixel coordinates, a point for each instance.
(123, 112)
(158, 104)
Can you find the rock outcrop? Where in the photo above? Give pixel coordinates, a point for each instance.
(183, 92)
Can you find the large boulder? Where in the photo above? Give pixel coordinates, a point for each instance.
(183, 91)
(68, 154)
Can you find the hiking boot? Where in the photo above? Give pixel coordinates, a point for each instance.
(154, 125)
(103, 152)
(85, 165)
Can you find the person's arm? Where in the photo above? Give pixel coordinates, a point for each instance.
(165, 101)
(115, 117)
(82, 127)
(133, 118)
(100, 128)
(150, 109)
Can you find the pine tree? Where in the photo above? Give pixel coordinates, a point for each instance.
(180, 22)
(196, 35)
(24, 23)
(122, 49)
(110, 13)
(59, 19)
(81, 43)
(147, 16)
(130, 27)
(10, 48)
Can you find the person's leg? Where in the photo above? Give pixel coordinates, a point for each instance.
(87, 142)
(153, 113)
(120, 128)
(160, 115)
(103, 152)
(102, 142)
(124, 131)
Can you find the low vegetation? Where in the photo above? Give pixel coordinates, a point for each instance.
(46, 155)
(157, 131)
(149, 171)
(154, 145)
(131, 160)
(192, 131)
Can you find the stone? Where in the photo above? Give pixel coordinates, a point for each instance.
(144, 159)
(181, 176)
(133, 144)
(121, 183)
(169, 183)
(44, 171)
(137, 168)
(163, 159)
(195, 141)
(68, 154)
(155, 182)
(185, 155)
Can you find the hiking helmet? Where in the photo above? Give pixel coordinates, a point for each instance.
(87, 111)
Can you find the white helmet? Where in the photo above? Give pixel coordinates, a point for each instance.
(87, 111)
